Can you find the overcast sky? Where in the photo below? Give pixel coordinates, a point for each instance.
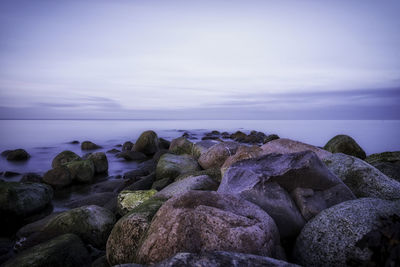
(200, 59)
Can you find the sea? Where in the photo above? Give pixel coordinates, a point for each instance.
(44, 139)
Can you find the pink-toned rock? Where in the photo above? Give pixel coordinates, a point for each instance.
(216, 155)
(242, 153)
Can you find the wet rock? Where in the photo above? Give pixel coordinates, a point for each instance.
(81, 171)
(62, 251)
(164, 144)
(363, 179)
(346, 145)
(286, 146)
(202, 182)
(64, 158)
(268, 181)
(58, 177)
(330, 238)
(171, 166)
(9, 174)
(31, 177)
(17, 155)
(127, 146)
(106, 200)
(200, 221)
(161, 184)
(111, 185)
(386, 162)
(113, 151)
(75, 142)
(159, 153)
(181, 146)
(87, 145)
(100, 162)
(143, 169)
(132, 156)
(217, 154)
(128, 200)
(144, 183)
(147, 143)
(270, 138)
(5, 153)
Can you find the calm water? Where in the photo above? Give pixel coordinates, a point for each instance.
(44, 139)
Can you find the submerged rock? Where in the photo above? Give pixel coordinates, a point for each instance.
(127, 146)
(63, 158)
(346, 145)
(17, 155)
(147, 143)
(87, 145)
(128, 200)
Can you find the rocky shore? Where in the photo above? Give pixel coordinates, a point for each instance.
(231, 199)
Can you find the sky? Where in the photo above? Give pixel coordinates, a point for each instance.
(255, 59)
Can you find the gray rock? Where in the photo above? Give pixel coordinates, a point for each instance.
(105, 200)
(386, 162)
(171, 166)
(147, 143)
(207, 221)
(201, 147)
(181, 146)
(268, 181)
(17, 155)
(58, 177)
(100, 162)
(144, 183)
(346, 145)
(82, 171)
(216, 155)
(363, 179)
(63, 158)
(330, 238)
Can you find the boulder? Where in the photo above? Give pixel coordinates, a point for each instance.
(171, 166)
(181, 146)
(346, 145)
(242, 153)
(127, 146)
(9, 174)
(87, 145)
(270, 138)
(214, 174)
(143, 183)
(202, 182)
(286, 146)
(147, 143)
(17, 155)
(113, 151)
(386, 162)
(18, 201)
(63, 158)
(58, 177)
(106, 200)
(110, 185)
(269, 180)
(125, 237)
(132, 155)
(128, 200)
(217, 154)
(221, 259)
(6, 249)
(330, 239)
(199, 221)
(363, 179)
(31, 177)
(65, 250)
(238, 136)
(201, 147)
(100, 162)
(164, 144)
(81, 171)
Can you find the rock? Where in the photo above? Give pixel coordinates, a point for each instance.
(6, 249)
(159, 153)
(127, 146)
(217, 154)
(386, 162)
(215, 174)
(255, 138)
(147, 143)
(75, 142)
(9, 174)
(268, 181)
(31, 177)
(113, 151)
(270, 138)
(106, 200)
(221, 259)
(100, 262)
(5, 153)
(65, 250)
(201, 147)
(164, 144)
(132, 156)
(63, 158)
(346, 145)
(144, 183)
(128, 200)
(330, 238)
(181, 146)
(363, 179)
(17, 155)
(200, 221)
(127, 233)
(87, 145)
(81, 171)
(58, 177)
(286, 146)
(171, 166)
(161, 184)
(238, 136)
(202, 182)
(91, 223)
(111, 185)
(100, 162)
(18, 201)
(242, 153)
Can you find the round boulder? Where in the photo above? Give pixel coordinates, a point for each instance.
(58, 177)
(346, 145)
(100, 162)
(171, 166)
(181, 146)
(18, 155)
(81, 171)
(147, 143)
(128, 200)
(87, 145)
(63, 158)
(217, 154)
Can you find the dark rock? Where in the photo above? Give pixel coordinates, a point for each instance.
(386, 162)
(101, 262)
(238, 136)
(144, 183)
(113, 151)
(81, 171)
(75, 142)
(346, 145)
(9, 174)
(100, 162)
(87, 145)
(201, 147)
(207, 221)
(6, 249)
(164, 144)
(63, 158)
(105, 200)
(215, 174)
(132, 156)
(127, 146)
(147, 143)
(17, 155)
(31, 177)
(181, 146)
(58, 177)
(242, 153)
(268, 181)
(111, 185)
(161, 184)
(225, 135)
(171, 166)
(270, 138)
(216, 155)
(159, 153)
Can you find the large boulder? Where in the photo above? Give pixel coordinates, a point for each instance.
(106, 200)
(62, 251)
(217, 154)
(63, 158)
(147, 143)
(346, 145)
(269, 180)
(127, 233)
(386, 162)
(221, 259)
(181, 146)
(200, 221)
(201, 182)
(330, 239)
(363, 179)
(87, 145)
(242, 153)
(201, 147)
(81, 171)
(127, 146)
(17, 155)
(128, 200)
(19, 201)
(58, 177)
(132, 155)
(100, 162)
(171, 166)
(286, 146)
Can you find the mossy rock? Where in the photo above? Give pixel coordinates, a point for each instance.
(346, 145)
(181, 146)
(147, 143)
(17, 155)
(214, 173)
(64, 158)
(171, 166)
(100, 162)
(58, 177)
(87, 145)
(81, 171)
(392, 157)
(128, 200)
